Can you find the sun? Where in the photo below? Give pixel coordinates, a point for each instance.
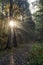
(12, 23)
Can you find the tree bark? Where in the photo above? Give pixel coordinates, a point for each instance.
(11, 60)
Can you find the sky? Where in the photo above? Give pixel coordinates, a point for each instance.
(30, 1)
(32, 9)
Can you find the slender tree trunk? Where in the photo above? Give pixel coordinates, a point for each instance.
(11, 8)
(14, 40)
(42, 33)
(11, 15)
(10, 38)
(11, 60)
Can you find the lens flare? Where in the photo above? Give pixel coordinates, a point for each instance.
(12, 23)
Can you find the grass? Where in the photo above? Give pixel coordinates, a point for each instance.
(35, 57)
(6, 51)
(3, 52)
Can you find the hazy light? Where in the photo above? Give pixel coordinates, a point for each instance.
(30, 1)
(20, 17)
(32, 9)
(12, 23)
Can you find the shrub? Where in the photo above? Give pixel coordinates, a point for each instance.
(36, 55)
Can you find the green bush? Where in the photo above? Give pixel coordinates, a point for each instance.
(36, 55)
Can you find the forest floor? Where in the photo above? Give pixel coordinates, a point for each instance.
(18, 54)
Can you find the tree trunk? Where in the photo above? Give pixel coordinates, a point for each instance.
(15, 40)
(42, 33)
(11, 60)
(11, 8)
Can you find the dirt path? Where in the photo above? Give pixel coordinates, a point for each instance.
(19, 56)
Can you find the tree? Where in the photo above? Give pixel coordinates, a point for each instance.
(27, 23)
(41, 15)
(38, 15)
(19, 11)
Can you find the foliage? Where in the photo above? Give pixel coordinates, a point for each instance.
(18, 8)
(36, 55)
(38, 18)
(3, 40)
